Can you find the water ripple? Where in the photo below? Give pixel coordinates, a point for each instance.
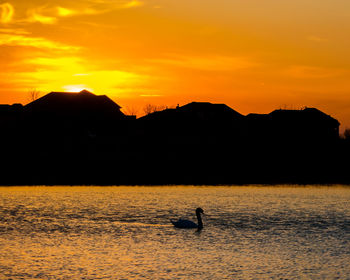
(125, 233)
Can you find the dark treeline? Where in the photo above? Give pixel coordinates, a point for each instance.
(84, 139)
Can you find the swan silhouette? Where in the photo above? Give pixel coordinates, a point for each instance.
(189, 224)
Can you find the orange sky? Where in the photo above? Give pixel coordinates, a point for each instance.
(254, 55)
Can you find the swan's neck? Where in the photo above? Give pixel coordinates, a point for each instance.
(199, 218)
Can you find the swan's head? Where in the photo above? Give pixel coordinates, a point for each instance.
(199, 210)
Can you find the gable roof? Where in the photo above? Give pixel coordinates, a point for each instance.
(304, 115)
(208, 110)
(201, 111)
(74, 102)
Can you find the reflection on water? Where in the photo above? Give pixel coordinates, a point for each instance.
(125, 233)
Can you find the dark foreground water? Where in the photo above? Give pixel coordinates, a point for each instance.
(124, 233)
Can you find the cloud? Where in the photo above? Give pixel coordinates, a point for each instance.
(150, 95)
(118, 3)
(16, 31)
(50, 14)
(208, 63)
(6, 12)
(98, 7)
(133, 4)
(37, 42)
(74, 73)
(102, 7)
(64, 12)
(37, 15)
(311, 72)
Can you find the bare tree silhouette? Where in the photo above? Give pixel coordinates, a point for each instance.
(131, 111)
(33, 94)
(347, 134)
(150, 108)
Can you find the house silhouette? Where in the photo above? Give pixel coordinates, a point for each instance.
(199, 111)
(307, 124)
(83, 103)
(80, 138)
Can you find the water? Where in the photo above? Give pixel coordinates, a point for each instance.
(125, 233)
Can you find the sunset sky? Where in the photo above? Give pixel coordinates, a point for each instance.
(253, 55)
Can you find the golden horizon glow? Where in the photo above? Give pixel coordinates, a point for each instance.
(255, 56)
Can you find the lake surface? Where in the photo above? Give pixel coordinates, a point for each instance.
(124, 233)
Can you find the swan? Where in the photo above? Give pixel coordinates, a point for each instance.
(189, 224)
